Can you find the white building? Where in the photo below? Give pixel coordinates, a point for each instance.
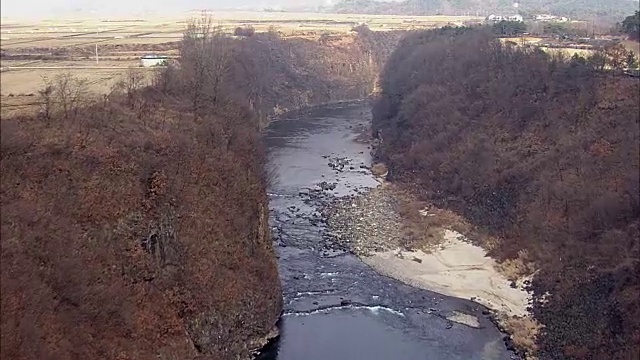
(154, 60)
(498, 18)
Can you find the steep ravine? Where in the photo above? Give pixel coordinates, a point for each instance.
(542, 164)
(273, 75)
(136, 227)
(335, 306)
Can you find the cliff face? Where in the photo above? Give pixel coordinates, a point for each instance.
(275, 75)
(136, 227)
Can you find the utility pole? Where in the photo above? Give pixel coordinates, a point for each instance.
(96, 47)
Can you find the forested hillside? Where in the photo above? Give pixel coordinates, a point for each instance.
(134, 228)
(274, 74)
(540, 152)
(135, 224)
(581, 9)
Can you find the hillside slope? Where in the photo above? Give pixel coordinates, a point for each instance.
(123, 231)
(540, 153)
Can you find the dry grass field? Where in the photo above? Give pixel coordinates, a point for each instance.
(535, 41)
(526, 40)
(632, 45)
(33, 51)
(569, 51)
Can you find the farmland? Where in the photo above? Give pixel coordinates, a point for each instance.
(33, 50)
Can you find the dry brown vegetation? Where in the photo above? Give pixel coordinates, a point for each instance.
(32, 49)
(126, 226)
(542, 153)
(275, 74)
(134, 225)
(379, 169)
(523, 331)
(422, 225)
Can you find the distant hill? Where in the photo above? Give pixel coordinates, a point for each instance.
(38, 9)
(577, 9)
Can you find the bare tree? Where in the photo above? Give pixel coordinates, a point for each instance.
(205, 52)
(70, 93)
(64, 93)
(45, 99)
(616, 56)
(130, 84)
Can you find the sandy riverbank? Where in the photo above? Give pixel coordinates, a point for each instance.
(374, 226)
(454, 268)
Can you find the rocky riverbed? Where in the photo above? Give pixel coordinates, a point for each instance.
(336, 306)
(365, 224)
(371, 226)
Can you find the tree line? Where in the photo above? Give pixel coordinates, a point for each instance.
(540, 151)
(631, 26)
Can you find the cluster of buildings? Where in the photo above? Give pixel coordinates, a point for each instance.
(498, 18)
(519, 18)
(515, 17)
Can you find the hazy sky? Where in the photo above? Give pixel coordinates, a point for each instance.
(55, 8)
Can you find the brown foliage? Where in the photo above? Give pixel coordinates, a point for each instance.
(136, 227)
(122, 231)
(267, 73)
(244, 31)
(543, 153)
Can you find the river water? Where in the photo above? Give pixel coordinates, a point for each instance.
(336, 307)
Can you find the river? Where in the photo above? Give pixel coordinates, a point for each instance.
(335, 306)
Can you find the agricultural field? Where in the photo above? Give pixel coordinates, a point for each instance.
(35, 50)
(537, 41)
(569, 52)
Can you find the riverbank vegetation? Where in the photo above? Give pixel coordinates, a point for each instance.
(541, 152)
